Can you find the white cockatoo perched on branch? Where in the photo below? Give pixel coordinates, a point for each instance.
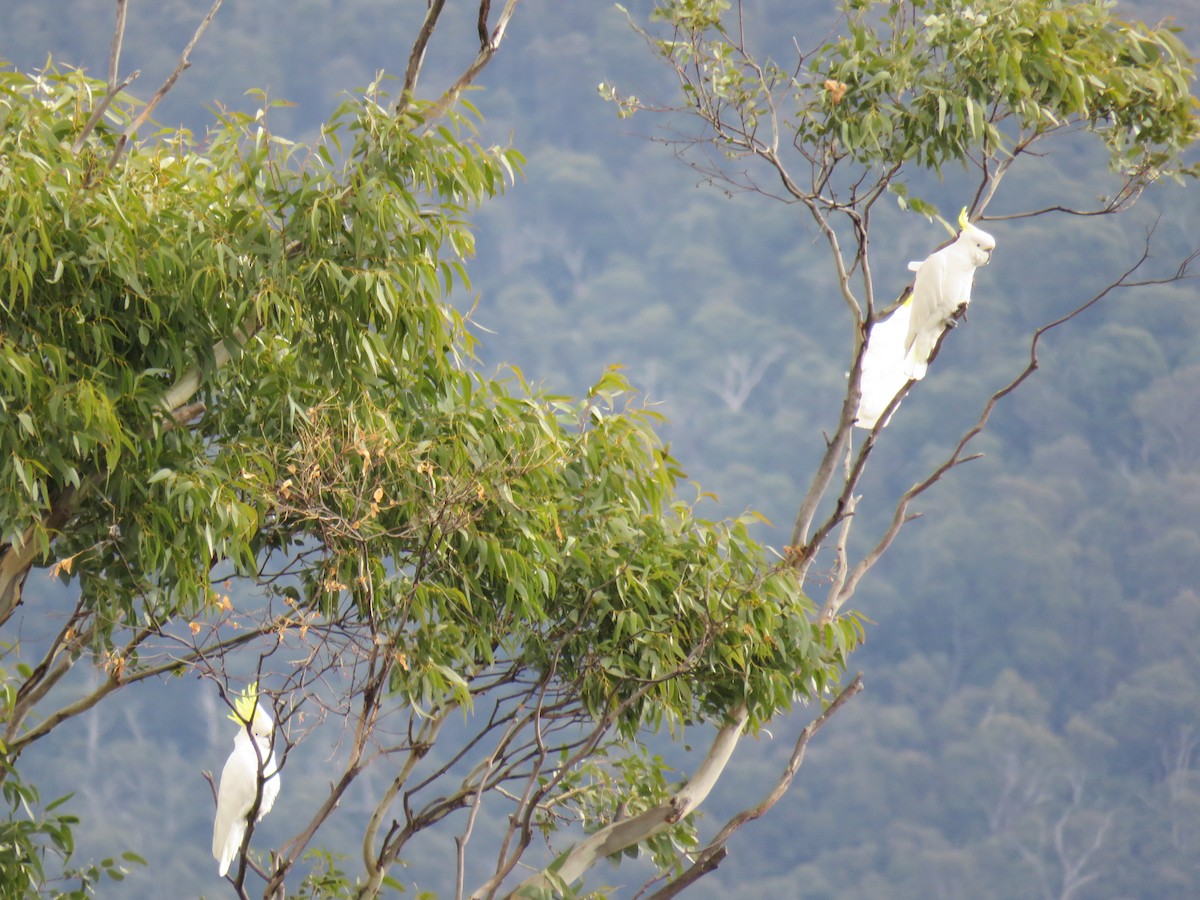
(942, 287)
(898, 347)
(252, 753)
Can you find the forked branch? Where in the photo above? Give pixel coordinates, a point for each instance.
(148, 110)
(617, 836)
(710, 856)
(487, 50)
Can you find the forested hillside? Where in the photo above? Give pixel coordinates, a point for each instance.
(1031, 722)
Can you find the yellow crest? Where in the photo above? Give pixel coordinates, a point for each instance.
(245, 704)
(963, 222)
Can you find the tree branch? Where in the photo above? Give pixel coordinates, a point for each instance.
(486, 52)
(416, 56)
(708, 858)
(98, 112)
(147, 111)
(121, 678)
(617, 836)
(17, 559)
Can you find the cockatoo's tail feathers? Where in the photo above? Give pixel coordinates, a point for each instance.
(245, 704)
(883, 366)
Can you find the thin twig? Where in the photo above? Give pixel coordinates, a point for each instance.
(114, 87)
(101, 108)
(114, 56)
(184, 63)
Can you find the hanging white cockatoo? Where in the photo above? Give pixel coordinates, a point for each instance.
(883, 369)
(942, 286)
(240, 777)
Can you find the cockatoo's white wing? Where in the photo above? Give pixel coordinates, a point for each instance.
(239, 783)
(271, 786)
(928, 321)
(883, 368)
(942, 285)
(264, 729)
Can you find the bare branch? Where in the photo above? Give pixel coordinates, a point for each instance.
(615, 837)
(377, 863)
(152, 104)
(692, 874)
(17, 559)
(416, 56)
(841, 563)
(55, 663)
(708, 858)
(481, 23)
(486, 52)
(101, 107)
(368, 713)
(114, 56)
(1119, 202)
(120, 678)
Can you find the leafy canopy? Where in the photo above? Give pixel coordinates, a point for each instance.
(233, 359)
(934, 81)
(318, 271)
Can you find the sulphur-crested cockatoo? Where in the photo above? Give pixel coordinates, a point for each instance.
(240, 777)
(942, 286)
(883, 369)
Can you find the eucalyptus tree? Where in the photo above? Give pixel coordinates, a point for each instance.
(240, 420)
(838, 127)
